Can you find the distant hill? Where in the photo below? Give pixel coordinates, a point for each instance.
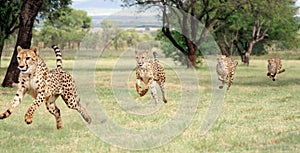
(128, 21)
(130, 18)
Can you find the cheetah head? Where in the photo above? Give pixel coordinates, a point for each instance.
(271, 61)
(221, 58)
(141, 58)
(27, 59)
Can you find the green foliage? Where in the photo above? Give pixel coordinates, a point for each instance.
(281, 15)
(172, 52)
(117, 38)
(230, 17)
(259, 49)
(9, 16)
(91, 41)
(50, 6)
(111, 37)
(169, 49)
(65, 25)
(9, 19)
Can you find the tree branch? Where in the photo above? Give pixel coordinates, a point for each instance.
(166, 31)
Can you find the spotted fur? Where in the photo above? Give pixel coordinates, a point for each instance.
(150, 72)
(44, 86)
(225, 70)
(274, 68)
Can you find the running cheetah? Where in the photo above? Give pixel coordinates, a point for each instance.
(149, 72)
(225, 70)
(274, 67)
(44, 86)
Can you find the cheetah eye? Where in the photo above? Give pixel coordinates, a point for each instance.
(19, 58)
(143, 57)
(27, 58)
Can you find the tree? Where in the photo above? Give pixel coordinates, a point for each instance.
(9, 17)
(256, 21)
(193, 19)
(170, 50)
(239, 24)
(118, 38)
(66, 26)
(28, 14)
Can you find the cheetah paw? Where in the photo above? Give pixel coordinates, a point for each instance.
(28, 119)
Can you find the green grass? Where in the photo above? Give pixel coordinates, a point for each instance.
(258, 115)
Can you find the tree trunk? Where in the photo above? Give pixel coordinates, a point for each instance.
(1, 47)
(28, 14)
(78, 45)
(192, 55)
(248, 53)
(224, 49)
(191, 52)
(191, 60)
(247, 58)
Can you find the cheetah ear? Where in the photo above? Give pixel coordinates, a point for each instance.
(35, 50)
(19, 48)
(135, 52)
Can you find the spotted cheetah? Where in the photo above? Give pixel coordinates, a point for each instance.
(44, 86)
(225, 70)
(149, 72)
(274, 67)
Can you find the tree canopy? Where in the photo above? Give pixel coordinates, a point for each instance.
(65, 26)
(258, 22)
(10, 14)
(235, 24)
(9, 17)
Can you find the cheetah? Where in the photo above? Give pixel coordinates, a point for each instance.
(44, 86)
(149, 71)
(225, 70)
(274, 67)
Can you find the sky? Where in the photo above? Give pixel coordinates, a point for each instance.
(298, 3)
(105, 7)
(98, 7)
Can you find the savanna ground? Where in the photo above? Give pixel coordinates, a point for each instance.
(258, 115)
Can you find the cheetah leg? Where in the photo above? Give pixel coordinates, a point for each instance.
(162, 88)
(222, 85)
(54, 110)
(17, 100)
(220, 78)
(282, 70)
(230, 83)
(273, 76)
(153, 91)
(138, 88)
(36, 103)
(73, 102)
(223, 82)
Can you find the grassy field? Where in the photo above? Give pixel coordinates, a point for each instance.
(258, 115)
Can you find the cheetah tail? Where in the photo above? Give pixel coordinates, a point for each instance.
(155, 55)
(58, 56)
